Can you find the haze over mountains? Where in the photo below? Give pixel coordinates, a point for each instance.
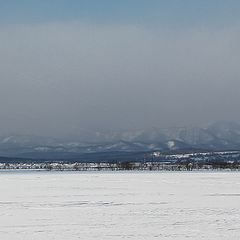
(217, 136)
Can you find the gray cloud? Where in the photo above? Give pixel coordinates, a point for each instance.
(58, 78)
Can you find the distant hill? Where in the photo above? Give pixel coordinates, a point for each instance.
(218, 136)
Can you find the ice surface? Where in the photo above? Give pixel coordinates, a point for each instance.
(123, 205)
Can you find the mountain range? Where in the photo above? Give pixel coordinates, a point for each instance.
(215, 137)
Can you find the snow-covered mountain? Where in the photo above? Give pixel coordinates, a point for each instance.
(217, 136)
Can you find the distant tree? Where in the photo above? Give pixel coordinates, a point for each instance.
(126, 165)
(49, 167)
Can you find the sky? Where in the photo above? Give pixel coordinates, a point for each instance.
(130, 64)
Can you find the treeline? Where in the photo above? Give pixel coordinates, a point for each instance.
(123, 166)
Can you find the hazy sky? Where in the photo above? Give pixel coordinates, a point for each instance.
(67, 65)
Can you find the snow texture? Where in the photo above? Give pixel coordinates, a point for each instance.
(123, 205)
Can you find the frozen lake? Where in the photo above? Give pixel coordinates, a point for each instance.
(123, 205)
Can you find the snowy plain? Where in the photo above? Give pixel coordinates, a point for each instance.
(122, 205)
